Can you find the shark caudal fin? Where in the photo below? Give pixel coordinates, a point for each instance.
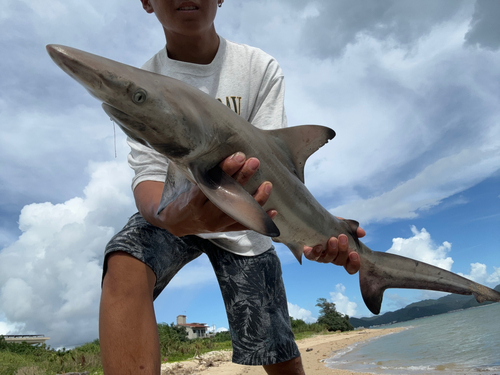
(231, 198)
(380, 271)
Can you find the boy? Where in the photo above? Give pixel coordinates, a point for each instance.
(148, 252)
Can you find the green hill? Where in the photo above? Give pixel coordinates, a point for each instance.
(421, 309)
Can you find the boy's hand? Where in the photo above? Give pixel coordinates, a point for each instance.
(337, 252)
(192, 212)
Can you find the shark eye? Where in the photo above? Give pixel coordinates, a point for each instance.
(139, 96)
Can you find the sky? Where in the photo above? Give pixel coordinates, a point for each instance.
(411, 89)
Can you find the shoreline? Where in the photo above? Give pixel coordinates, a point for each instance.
(323, 347)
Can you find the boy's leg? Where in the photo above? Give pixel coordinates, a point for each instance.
(139, 262)
(127, 324)
(291, 367)
(256, 306)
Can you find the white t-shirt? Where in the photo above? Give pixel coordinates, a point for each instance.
(247, 80)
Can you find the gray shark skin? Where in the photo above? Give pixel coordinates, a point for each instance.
(197, 132)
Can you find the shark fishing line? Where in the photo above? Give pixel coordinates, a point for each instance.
(114, 134)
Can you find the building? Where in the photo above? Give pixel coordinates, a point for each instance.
(194, 330)
(30, 339)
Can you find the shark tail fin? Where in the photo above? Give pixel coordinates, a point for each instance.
(380, 271)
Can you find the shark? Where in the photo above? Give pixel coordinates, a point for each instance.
(196, 132)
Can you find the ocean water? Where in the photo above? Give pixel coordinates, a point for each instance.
(462, 342)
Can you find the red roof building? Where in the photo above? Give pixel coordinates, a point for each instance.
(194, 330)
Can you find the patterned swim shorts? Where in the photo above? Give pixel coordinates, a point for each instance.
(252, 287)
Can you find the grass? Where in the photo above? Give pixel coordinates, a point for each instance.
(24, 359)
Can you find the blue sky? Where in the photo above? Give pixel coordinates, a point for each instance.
(412, 90)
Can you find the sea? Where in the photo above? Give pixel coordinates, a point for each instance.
(460, 342)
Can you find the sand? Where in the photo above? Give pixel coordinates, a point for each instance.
(323, 346)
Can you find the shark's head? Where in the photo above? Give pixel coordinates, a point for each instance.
(147, 106)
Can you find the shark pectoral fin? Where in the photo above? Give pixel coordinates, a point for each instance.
(300, 142)
(175, 185)
(231, 198)
(380, 271)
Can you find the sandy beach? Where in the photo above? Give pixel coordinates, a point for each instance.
(322, 348)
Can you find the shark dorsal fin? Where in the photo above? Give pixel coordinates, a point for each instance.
(301, 142)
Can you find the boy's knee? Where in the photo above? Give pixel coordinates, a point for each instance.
(292, 367)
(126, 276)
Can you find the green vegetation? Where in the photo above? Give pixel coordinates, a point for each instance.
(331, 318)
(25, 359)
(174, 345)
(302, 330)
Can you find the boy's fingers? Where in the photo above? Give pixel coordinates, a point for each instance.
(233, 163)
(342, 250)
(247, 171)
(240, 168)
(353, 264)
(360, 232)
(263, 192)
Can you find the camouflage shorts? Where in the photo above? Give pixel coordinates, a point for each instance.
(252, 287)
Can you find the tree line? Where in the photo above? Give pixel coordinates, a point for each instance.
(329, 320)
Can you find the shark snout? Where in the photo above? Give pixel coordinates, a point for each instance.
(67, 59)
(81, 66)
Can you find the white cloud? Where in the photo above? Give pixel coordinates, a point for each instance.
(214, 329)
(310, 11)
(414, 127)
(429, 188)
(479, 274)
(298, 312)
(494, 278)
(342, 303)
(50, 277)
(340, 24)
(8, 328)
(421, 247)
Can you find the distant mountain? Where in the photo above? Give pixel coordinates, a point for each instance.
(420, 309)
